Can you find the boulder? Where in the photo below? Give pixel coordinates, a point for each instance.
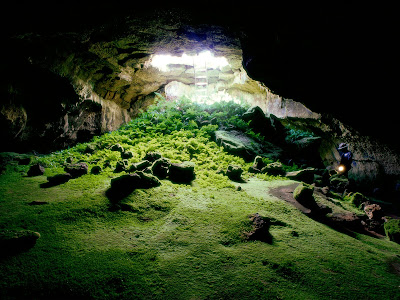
(357, 198)
(58, 179)
(182, 173)
(139, 166)
(118, 148)
(35, 170)
(260, 229)
(349, 221)
(238, 143)
(275, 168)
(303, 193)
(77, 170)
(374, 212)
(305, 175)
(258, 164)
(160, 167)
(152, 156)
(339, 183)
(122, 165)
(14, 241)
(392, 230)
(259, 122)
(127, 154)
(234, 173)
(96, 170)
(124, 185)
(90, 149)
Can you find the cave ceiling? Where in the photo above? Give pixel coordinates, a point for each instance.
(334, 59)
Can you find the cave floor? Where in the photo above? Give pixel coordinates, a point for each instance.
(180, 241)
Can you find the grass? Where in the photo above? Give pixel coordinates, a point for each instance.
(178, 241)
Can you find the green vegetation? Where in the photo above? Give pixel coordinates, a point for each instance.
(177, 241)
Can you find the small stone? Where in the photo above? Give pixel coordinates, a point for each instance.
(77, 170)
(234, 173)
(36, 170)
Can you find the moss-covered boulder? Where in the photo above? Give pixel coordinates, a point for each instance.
(139, 166)
(14, 241)
(392, 230)
(118, 148)
(260, 229)
(122, 165)
(160, 167)
(339, 183)
(357, 198)
(35, 170)
(96, 170)
(275, 168)
(258, 164)
(234, 173)
(58, 179)
(77, 170)
(303, 193)
(152, 156)
(304, 175)
(127, 154)
(182, 173)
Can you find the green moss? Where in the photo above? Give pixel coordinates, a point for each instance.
(392, 230)
(177, 241)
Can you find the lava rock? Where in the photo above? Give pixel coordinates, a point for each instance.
(275, 168)
(58, 179)
(118, 148)
(77, 170)
(121, 165)
(127, 154)
(374, 212)
(234, 173)
(124, 185)
(139, 166)
(182, 173)
(260, 229)
(258, 164)
(152, 156)
(392, 230)
(305, 175)
(35, 170)
(96, 170)
(160, 167)
(12, 242)
(303, 193)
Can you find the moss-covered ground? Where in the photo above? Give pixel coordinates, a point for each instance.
(177, 241)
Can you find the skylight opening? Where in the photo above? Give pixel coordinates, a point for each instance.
(161, 61)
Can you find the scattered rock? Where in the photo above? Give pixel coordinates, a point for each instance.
(58, 179)
(304, 195)
(96, 170)
(357, 198)
(374, 212)
(275, 168)
(90, 149)
(36, 170)
(160, 167)
(139, 166)
(234, 173)
(124, 185)
(238, 143)
(339, 183)
(77, 170)
(182, 173)
(152, 156)
(257, 165)
(122, 165)
(15, 241)
(392, 230)
(118, 148)
(260, 229)
(305, 175)
(348, 221)
(127, 154)
(38, 202)
(238, 188)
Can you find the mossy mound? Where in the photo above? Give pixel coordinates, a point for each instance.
(392, 230)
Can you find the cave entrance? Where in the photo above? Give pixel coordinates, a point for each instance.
(203, 77)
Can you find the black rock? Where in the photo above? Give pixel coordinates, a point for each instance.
(36, 170)
(77, 170)
(182, 173)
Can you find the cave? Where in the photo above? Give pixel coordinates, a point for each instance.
(195, 151)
